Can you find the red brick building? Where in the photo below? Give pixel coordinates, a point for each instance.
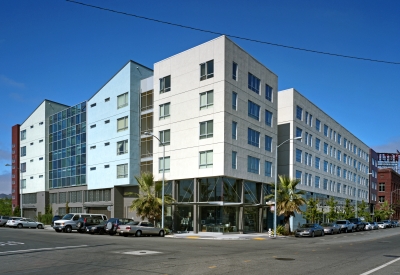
(389, 189)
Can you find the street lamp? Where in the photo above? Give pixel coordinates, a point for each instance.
(391, 198)
(276, 178)
(163, 178)
(20, 186)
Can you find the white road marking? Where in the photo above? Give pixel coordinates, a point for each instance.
(141, 252)
(10, 243)
(380, 267)
(41, 249)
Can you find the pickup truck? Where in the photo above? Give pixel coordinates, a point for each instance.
(345, 226)
(359, 224)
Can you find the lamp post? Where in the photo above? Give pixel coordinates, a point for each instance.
(276, 178)
(391, 198)
(163, 178)
(20, 186)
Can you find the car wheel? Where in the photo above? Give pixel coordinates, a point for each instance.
(40, 226)
(162, 233)
(345, 231)
(313, 235)
(138, 233)
(19, 226)
(68, 229)
(322, 233)
(352, 230)
(332, 232)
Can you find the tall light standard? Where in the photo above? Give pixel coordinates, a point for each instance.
(391, 198)
(276, 178)
(163, 178)
(20, 186)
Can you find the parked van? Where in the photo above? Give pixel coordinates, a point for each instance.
(70, 220)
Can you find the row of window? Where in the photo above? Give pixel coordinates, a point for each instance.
(23, 132)
(122, 147)
(122, 101)
(329, 185)
(330, 133)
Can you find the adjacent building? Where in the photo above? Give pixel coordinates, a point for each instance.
(389, 190)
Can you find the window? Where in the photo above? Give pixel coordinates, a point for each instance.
(106, 121)
(299, 175)
(253, 110)
(165, 110)
(381, 187)
(338, 171)
(206, 159)
(253, 137)
(106, 143)
(165, 137)
(41, 123)
(31, 126)
(234, 160)
(23, 183)
(325, 166)
(92, 168)
(122, 147)
(253, 165)
(206, 129)
(92, 147)
(268, 143)
(381, 198)
(306, 120)
(317, 162)
(234, 100)
(31, 143)
(318, 125)
(107, 99)
(317, 179)
(298, 155)
(23, 167)
(23, 151)
(161, 164)
(234, 129)
(107, 166)
(122, 171)
(41, 140)
(317, 143)
(268, 118)
(339, 138)
(122, 124)
(268, 169)
(41, 158)
(206, 100)
(299, 132)
(345, 142)
(93, 105)
(40, 176)
(339, 155)
(93, 126)
(326, 130)
(165, 84)
(325, 148)
(310, 120)
(23, 135)
(299, 112)
(254, 83)
(207, 70)
(122, 100)
(268, 92)
(234, 71)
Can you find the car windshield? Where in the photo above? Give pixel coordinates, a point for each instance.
(307, 225)
(341, 222)
(327, 224)
(133, 223)
(102, 222)
(68, 217)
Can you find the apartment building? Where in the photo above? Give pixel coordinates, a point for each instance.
(373, 179)
(216, 114)
(389, 190)
(329, 160)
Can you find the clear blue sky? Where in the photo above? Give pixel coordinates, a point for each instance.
(65, 52)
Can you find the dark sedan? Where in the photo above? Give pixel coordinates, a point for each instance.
(97, 228)
(309, 230)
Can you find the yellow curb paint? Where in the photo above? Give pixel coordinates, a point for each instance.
(213, 266)
(273, 256)
(192, 237)
(259, 239)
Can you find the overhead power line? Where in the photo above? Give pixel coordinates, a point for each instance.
(235, 36)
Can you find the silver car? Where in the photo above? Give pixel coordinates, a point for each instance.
(139, 228)
(331, 228)
(27, 223)
(3, 220)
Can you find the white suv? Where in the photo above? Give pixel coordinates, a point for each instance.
(70, 220)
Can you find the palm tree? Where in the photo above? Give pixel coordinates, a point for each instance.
(149, 202)
(288, 199)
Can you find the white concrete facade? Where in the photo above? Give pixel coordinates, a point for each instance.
(186, 113)
(343, 158)
(103, 113)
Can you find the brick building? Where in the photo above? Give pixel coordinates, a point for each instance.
(389, 189)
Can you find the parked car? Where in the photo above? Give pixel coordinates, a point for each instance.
(375, 225)
(97, 228)
(11, 221)
(310, 230)
(358, 224)
(331, 228)
(84, 222)
(70, 220)
(382, 225)
(113, 223)
(388, 223)
(55, 218)
(3, 220)
(27, 223)
(345, 226)
(368, 226)
(394, 224)
(140, 228)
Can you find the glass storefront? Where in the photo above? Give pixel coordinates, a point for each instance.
(183, 219)
(222, 219)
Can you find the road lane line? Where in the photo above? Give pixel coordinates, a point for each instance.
(380, 267)
(41, 249)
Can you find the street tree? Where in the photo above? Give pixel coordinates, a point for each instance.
(332, 214)
(362, 211)
(288, 200)
(384, 212)
(5, 207)
(348, 209)
(312, 214)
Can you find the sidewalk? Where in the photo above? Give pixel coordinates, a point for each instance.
(216, 236)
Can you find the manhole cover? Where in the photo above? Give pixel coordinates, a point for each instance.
(284, 259)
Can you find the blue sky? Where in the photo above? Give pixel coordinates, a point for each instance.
(65, 52)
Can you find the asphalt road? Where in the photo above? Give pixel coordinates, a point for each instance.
(34, 251)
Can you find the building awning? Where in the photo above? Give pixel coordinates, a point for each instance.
(97, 204)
